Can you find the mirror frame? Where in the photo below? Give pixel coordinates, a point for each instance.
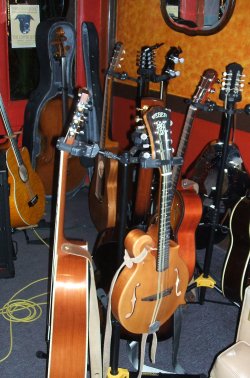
(189, 31)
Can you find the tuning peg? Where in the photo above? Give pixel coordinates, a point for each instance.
(146, 155)
(181, 60)
(138, 119)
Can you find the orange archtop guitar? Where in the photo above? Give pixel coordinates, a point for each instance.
(147, 292)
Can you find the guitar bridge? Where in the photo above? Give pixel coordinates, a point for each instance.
(33, 201)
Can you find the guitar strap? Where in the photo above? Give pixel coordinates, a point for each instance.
(91, 62)
(94, 333)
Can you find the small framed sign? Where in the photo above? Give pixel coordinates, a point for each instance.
(24, 19)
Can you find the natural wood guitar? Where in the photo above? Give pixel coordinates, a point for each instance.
(103, 186)
(27, 197)
(147, 292)
(236, 270)
(69, 306)
(186, 208)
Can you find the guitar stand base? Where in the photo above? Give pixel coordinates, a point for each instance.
(205, 281)
(122, 373)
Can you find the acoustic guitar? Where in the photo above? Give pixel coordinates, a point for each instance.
(68, 315)
(148, 291)
(26, 197)
(236, 270)
(186, 210)
(103, 186)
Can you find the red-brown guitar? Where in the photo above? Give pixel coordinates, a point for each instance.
(186, 208)
(68, 316)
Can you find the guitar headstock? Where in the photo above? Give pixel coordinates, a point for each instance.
(59, 43)
(146, 60)
(232, 83)
(157, 122)
(205, 86)
(80, 113)
(116, 58)
(172, 58)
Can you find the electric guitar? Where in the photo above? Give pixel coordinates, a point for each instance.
(69, 303)
(27, 197)
(147, 292)
(103, 186)
(186, 210)
(236, 270)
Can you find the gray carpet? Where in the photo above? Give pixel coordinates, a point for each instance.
(207, 329)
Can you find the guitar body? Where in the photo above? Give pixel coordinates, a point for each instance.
(186, 211)
(22, 213)
(134, 298)
(47, 162)
(204, 172)
(236, 270)
(103, 193)
(69, 314)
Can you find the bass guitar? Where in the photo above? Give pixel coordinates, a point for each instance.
(153, 284)
(236, 270)
(69, 306)
(186, 210)
(26, 197)
(103, 186)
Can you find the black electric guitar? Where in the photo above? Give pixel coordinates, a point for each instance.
(236, 270)
(205, 169)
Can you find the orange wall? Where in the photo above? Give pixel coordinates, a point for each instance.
(140, 23)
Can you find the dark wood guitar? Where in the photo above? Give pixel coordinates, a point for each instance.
(26, 197)
(236, 270)
(147, 293)
(52, 123)
(186, 210)
(103, 186)
(68, 317)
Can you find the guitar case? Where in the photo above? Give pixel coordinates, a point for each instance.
(51, 81)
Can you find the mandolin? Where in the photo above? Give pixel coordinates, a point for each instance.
(26, 197)
(153, 284)
(103, 186)
(236, 270)
(69, 298)
(186, 210)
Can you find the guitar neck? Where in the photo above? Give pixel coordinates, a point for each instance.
(183, 143)
(106, 115)
(10, 134)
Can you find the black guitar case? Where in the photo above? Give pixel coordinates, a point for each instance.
(51, 80)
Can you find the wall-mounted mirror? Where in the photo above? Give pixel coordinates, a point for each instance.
(197, 17)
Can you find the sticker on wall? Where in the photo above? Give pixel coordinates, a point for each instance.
(24, 19)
